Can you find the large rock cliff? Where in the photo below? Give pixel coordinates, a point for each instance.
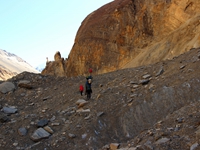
(129, 33)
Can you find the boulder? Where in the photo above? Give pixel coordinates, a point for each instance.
(6, 87)
(39, 134)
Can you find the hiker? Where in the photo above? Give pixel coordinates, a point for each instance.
(81, 89)
(88, 88)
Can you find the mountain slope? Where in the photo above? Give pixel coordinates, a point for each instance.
(124, 104)
(11, 65)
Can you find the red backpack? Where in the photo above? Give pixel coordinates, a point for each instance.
(81, 88)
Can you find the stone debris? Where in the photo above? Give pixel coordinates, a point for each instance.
(55, 114)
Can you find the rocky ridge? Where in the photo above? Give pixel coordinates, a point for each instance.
(148, 107)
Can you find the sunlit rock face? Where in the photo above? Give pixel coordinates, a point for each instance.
(128, 33)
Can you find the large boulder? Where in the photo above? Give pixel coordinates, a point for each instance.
(6, 87)
(127, 33)
(130, 33)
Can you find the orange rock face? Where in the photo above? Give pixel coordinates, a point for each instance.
(129, 33)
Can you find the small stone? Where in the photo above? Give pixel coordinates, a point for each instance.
(81, 110)
(98, 96)
(144, 82)
(114, 146)
(15, 144)
(81, 103)
(100, 114)
(42, 123)
(160, 72)
(22, 131)
(53, 118)
(146, 76)
(71, 135)
(194, 146)
(135, 86)
(133, 82)
(48, 129)
(88, 117)
(9, 110)
(162, 140)
(183, 66)
(84, 136)
(55, 124)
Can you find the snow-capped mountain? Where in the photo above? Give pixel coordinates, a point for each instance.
(11, 65)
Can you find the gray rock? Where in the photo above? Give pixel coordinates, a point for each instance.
(160, 72)
(162, 140)
(42, 123)
(81, 103)
(146, 76)
(194, 146)
(71, 135)
(145, 81)
(100, 114)
(22, 131)
(133, 82)
(183, 66)
(24, 84)
(39, 134)
(9, 110)
(6, 87)
(135, 86)
(55, 124)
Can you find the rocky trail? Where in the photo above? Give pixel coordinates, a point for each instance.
(147, 107)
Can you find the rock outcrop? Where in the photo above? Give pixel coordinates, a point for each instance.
(129, 33)
(56, 67)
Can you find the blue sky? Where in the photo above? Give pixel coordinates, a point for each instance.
(36, 29)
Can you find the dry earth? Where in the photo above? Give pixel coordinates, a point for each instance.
(148, 107)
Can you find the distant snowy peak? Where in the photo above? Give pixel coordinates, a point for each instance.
(13, 64)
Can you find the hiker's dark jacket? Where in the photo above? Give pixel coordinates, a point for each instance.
(88, 86)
